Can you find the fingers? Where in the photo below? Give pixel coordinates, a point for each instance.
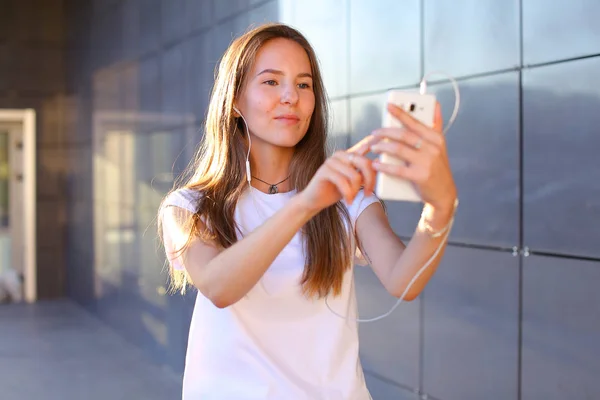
(410, 173)
(363, 165)
(361, 148)
(399, 150)
(403, 135)
(421, 157)
(343, 166)
(357, 171)
(412, 124)
(341, 181)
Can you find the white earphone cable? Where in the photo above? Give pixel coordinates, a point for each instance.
(249, 176)
(423, 90)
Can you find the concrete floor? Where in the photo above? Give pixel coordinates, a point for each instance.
(57, 351)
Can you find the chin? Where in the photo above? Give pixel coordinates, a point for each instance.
(287, 139)
(290, 143)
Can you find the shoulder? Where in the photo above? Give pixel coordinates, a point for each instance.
(183, 198)
(359, 204)
(176, 209)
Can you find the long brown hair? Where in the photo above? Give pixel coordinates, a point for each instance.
(218, 171)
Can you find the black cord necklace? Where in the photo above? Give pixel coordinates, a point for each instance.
(272, 187)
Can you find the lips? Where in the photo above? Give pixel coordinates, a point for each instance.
(288, 118)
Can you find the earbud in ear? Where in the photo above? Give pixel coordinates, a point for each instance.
(237, 111)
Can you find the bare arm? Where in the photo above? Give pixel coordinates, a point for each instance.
(394, 263)
(225, 276)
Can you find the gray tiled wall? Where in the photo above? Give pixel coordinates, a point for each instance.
(492, 324)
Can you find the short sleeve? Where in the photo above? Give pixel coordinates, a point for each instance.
(183, 198)
(175, 213)
(360, 203)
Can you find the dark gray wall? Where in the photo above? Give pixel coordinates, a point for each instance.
(32, 75)
(513, 311)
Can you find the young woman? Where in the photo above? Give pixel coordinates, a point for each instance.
(265, 255)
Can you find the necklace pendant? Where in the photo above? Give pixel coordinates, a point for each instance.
(273, 189)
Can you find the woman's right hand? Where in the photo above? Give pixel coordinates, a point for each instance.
(341, 177)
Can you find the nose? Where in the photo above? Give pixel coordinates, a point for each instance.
(289, 94)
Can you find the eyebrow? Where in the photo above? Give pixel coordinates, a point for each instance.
(277, 72)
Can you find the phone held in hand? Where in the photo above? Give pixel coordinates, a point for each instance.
(422, 108)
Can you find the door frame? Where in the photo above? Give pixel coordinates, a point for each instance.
(26, 118)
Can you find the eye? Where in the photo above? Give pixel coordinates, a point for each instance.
(270, 82)
(304, 86)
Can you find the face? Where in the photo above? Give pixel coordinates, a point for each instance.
(277, 100)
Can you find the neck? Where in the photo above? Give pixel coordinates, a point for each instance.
(270, 164)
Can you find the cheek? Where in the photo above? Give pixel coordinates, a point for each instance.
(308, 105)
(262, 100)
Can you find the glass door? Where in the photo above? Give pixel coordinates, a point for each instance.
(11, 199)
(5, 171)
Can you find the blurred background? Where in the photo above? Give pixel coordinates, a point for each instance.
(101, 107)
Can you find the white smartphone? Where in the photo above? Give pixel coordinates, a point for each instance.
(422, 108)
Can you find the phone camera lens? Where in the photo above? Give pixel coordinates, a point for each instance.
(412, 107)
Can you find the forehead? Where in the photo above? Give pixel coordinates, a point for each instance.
(282, 54)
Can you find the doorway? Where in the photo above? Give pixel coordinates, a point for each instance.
(17, 197)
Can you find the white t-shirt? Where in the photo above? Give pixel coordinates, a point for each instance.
(274, 343)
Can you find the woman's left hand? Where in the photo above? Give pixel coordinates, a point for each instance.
(424, 151)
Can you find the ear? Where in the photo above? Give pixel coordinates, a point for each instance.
(236, 111)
